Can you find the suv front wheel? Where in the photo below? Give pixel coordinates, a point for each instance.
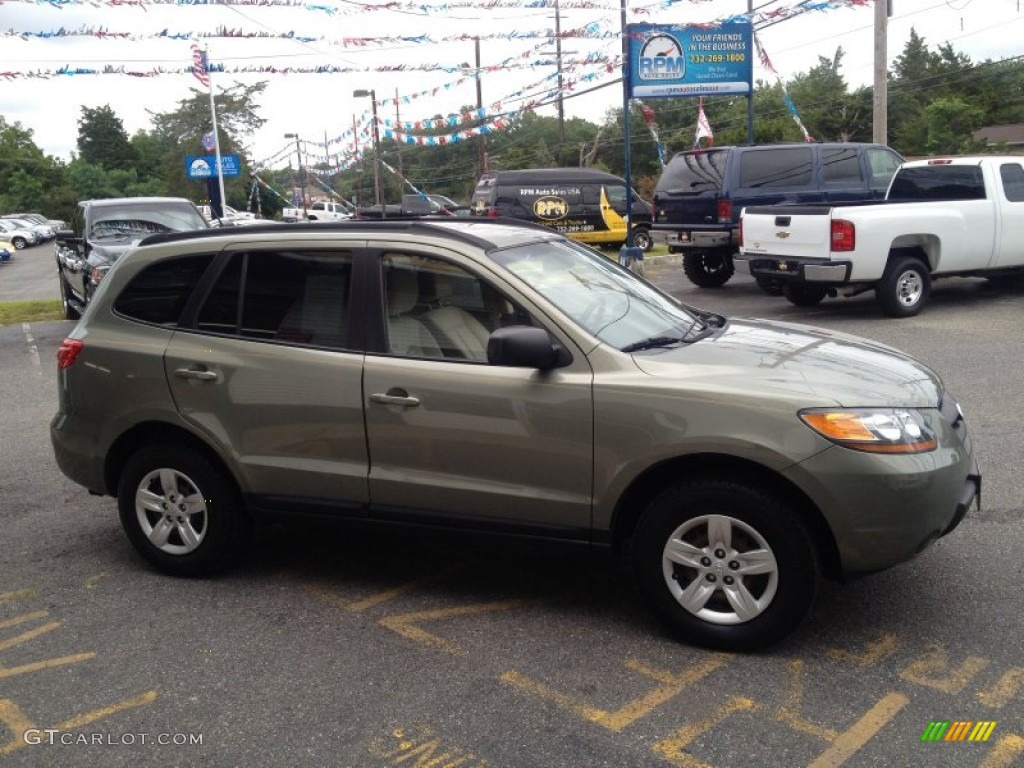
(179, 511)
(725, 565)
(708, 268)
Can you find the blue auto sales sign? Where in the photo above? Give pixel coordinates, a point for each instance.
(205, 166)
(674, 60)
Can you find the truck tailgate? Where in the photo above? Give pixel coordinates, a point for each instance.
(797, 230)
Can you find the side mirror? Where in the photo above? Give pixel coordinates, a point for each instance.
(67, 237)
(524, 346)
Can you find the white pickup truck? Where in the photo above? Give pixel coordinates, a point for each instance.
(319, 210)
(961, 216)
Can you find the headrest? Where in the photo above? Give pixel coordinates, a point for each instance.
(403, 291)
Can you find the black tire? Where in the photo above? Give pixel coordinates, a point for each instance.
(804, 295)
(708, 269)
(777, 599)
(771, 286)
(905, 287)
(19, 243)
(642, 239)
(205, 534)
(70, 311)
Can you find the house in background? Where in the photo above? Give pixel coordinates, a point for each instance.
(1009, 136)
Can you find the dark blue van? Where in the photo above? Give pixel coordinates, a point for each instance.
(701, 192)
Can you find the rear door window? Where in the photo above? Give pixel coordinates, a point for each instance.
(785, 167)
(285, 297)
(939, 182)
(840, 166)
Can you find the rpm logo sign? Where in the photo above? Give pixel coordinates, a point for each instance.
(550, 208)
(661, 58)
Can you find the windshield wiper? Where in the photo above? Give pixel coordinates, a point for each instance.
(653, 343)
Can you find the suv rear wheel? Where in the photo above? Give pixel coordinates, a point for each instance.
(708, 269)
(725, 565)
(179, 511)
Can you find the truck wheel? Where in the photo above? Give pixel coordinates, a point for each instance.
(708, 269)
(70, 311)
(642, 239)
(904, 287)
(803, 295)
(771, 286)
(724, 564)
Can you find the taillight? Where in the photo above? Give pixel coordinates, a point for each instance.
(844, 235)
(492, 213)
(68, 352)
(724, 211)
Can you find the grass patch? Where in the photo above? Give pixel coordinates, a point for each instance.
(30, 311)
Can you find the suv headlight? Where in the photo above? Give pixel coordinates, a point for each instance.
(876, 430)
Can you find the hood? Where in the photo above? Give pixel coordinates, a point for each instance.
(818, 366)
(109, 251)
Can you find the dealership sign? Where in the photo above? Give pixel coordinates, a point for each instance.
(205, 166)
(668, 60)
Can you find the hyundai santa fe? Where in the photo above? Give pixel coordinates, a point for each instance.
(483, 375)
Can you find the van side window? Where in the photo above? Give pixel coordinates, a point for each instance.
(841, 166)
(776, 168)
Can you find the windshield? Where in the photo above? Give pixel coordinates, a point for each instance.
(607, 300)
(133, 220)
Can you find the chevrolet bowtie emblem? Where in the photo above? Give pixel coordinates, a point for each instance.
(783, 234)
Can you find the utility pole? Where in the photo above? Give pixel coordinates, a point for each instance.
(482, 143)
(880, 105)
(398, 126)
(561, 103)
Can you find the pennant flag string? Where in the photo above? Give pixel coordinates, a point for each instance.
(767, 64)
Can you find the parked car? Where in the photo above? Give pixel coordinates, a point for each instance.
(585, 204)
(102, 230)
(44, 232)
(700, 193)
(471, 374)
(943, 217)
(20, 237)
(37, 218)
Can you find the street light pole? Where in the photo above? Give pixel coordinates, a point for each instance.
(372, 93)
(302, 175)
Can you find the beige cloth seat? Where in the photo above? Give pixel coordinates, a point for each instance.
(407, 335)
(460, 334)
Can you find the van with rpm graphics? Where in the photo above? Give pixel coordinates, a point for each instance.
(582, 203)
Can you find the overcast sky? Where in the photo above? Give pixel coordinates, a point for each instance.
(315, 105)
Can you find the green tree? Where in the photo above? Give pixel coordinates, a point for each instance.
(102, 139)
(951, 123)
(29, 179)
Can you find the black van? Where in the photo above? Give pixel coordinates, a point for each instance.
(582, 203)
(701, 192)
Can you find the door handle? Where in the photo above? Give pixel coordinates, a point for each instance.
(390, 399)
(196, 373)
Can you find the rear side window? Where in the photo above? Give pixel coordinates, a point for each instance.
(288, 297)
(841, 166)
(789, 167)
(1012, 175)
(693, 172)
(938, 182)
(159, 292)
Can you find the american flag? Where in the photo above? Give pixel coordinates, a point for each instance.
(199, 68)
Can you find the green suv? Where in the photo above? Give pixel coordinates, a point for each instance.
(483, 375)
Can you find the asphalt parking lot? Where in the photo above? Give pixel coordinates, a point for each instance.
(341, 647)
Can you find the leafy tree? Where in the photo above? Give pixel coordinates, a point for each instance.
(951, 123)
(102, 139)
